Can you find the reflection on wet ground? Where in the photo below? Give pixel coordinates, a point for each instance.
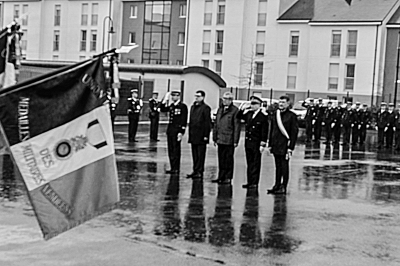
(327, 182)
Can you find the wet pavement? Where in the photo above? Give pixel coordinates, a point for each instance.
(342, 209)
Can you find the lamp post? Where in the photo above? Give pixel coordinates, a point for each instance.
(110, 31)
(397, 70)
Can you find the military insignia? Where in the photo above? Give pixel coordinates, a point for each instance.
(63, 149)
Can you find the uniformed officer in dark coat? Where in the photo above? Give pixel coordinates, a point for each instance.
(365, 120)
(397, 131)
(135, 106)
(318, 123)
(390, 126)
(310, 118)
(199, 133)
(381, 124)
(347, 123)
(356, 124)
(255, 139)
(337, 122)
(154, 115)
(328, 122)
(178, 114)
(282, 140)
(226, 135)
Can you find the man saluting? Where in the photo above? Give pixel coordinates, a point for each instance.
(283, 137)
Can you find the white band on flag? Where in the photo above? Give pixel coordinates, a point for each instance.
(65, 149)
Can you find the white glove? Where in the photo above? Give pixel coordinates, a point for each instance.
(180, 136)
(262, 149)
(245, 111)
(323, 123)
(376, 128)
(333, 125)
(313, 122)
(359, 126)
(385, 129)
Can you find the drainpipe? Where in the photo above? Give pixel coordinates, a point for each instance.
(374, 70)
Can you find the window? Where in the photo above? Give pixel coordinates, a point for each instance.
(132, 37)
(218, 66)
(93, 40)
(24, 15)
(349, 79)
(56, 40)
(208, 13)
(219, 42)
(260, 43)
(131, 61)
(262, 13)
(55, 57)
(179, 62)
(134, 11)
(83, 40)
(95, 14)
(205, 63)
(84, 15)
(258, 76)
(294, 43)
(182, 10)
(333, 81)
(221, 14)
(181, 38)
(336, 40)
(57, 15)
(24, 38)
(352, 43)
(16, 12)
(206, 42)
(291, 77)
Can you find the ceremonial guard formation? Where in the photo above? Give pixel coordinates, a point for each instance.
(135, 106)
(154, 116)
(311, 118)
(178, 114)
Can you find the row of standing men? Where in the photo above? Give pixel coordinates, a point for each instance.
(352, 122)
(226, 133)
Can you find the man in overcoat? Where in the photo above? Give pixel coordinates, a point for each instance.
(226, 134)
(255, 139)
(154, 115)
(199, 133)
(381, 124)
(282, 140)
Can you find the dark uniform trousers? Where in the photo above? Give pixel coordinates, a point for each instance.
(381, 136)
(355, 132)
(328, 132)
(154, 121)
(133, 125)
(389, 137)
(363, 133)
(397, 146)
(174, 151)
(226, 161)
(346, 133)
(309, 129)
(253, 158)
(318, 129)
(281, 170)
(199, 157)
(337, 131)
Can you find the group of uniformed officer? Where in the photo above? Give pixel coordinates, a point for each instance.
(351, 121)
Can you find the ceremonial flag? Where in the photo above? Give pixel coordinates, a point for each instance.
(60, 136)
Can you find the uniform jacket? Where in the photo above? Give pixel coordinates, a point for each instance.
(227, 126)
(390, 119)
(256, 128)
(312, 112)
(154, 106)
(329, 116)
(178, 114)
(134, 106)
(365, 118)
(278, 142)
(397, 122)
(381, 119)
(199, 123)
(320, 112)
(348, 117)
(338, 114)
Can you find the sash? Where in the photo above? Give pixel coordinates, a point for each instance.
(280, 124)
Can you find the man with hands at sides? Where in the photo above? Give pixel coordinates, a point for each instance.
(255, 139)
(282, 140)
(178, 113)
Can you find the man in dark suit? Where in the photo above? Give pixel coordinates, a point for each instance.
(154, 115)
(283, 137)
(381, 124)
(226, 134)
(178, 113)
(365, 119)
(135, 106)
(199, 133)
(320, 117)
(348, 118)
(356, 124)
(390, 126)
(255, 139)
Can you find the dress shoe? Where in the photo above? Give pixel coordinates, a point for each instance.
(281, 190)
(172, 171)
(273, 189)
(197, 176)
(190, 175)
(249, 186)
(225, 182)
(216, 180)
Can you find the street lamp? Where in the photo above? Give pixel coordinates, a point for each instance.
(110, 31)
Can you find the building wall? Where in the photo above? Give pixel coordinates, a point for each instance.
(390, 65)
